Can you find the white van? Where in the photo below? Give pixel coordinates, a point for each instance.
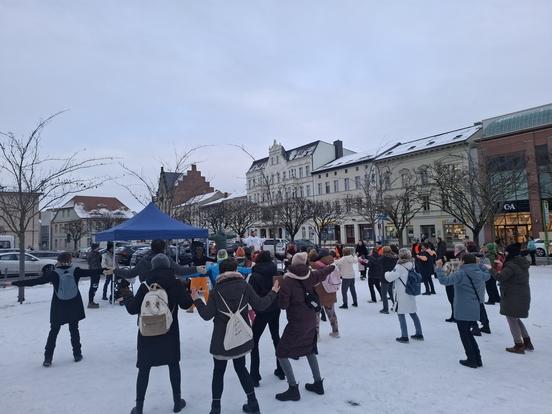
(7, 241)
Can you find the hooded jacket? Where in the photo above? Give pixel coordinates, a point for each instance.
(514, 287)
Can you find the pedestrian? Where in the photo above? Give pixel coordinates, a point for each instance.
(107, 265)
(491, 253)
(345, 266)
(471, 247)
(240, 257)
(300, 334)
(200, 259)
(516, 296)
(532, 249)
(404, 303)
(441, 250)
(469, 290)
(256, 243)
(451, 267)
(66, 306)
(143, 267)
(94, 259)
(374, 271)
(425, 265)
(262, 280)
(416, 248)
(228, 301)
(387, 262)
(163, 349)
(327, 299)
(361, 251)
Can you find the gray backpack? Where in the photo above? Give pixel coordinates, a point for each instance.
(67, 287)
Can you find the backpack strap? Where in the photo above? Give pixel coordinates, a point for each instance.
(474, 289)
(226, 304)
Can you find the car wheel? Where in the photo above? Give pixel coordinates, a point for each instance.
(540, 252)
(47, 268)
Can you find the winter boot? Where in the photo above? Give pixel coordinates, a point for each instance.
(517, 349)
(476, 331)
(417, 337)
(355, 305)
(138, 409)
(292, 394)
(93, 305)
(468, 363)
(479, 361)
(179, 403)
(252, 405)
(280, 373)
(451, 319)
(334, 334)
(343, 307)
(528, 344)
(402, 339)
(47, 362)
(77, 357)
(486, 329)
(316, 387)
(215, 407)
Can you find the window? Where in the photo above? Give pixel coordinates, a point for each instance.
(277, 159)
(335, 172)
(301, 191)
(326, 174)
(278, 177)
(336, 186)
(300, 172)
(346, 183)
(357, 182)
(405, 178)
(320, 188)
(424, 180)
(348, 204)
(387, 180)
(356, 168)
(319, 175)
(272, 179)
(284, 176)
(327, 187)
(307, 170)
(425, 203)
(308, 190)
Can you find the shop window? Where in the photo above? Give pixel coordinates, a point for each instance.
(350, 233)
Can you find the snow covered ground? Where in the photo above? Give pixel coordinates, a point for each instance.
(365, 370)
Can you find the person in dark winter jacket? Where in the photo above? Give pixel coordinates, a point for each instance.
(155, 351)
(262, 280)
(300, 336)
(94, 259)
(143, 267)
(387, 262)
(231, 294)
(491, 252)
(516, 296)
(66, 306)
(374, 274)
(441, 250)
(425, 265)
(469, 294)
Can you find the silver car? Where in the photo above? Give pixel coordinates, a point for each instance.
(9, 262)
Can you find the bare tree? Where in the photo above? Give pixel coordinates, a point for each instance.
(473, 191)
(324, 214)
(215, 217)
(401, 199)
(292, 213)
(241, 216)
(369, 204)
(32, 180)
(75, 231)
(106, 219)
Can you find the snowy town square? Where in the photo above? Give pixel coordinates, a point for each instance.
(275, 207)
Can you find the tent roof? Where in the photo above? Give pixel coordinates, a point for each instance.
(151, 223)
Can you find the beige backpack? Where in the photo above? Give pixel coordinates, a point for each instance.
(155, 314)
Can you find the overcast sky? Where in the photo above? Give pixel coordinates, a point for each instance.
(142, 77)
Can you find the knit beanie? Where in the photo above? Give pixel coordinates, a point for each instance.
(240, 252)
(299, 259)
(160, 261)
(222, 255)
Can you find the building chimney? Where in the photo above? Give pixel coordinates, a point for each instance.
(194, 168)
(338, 146)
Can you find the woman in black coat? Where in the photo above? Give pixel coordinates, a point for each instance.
(425, 264)
(300, 336)
(154, 351)
(66, 306)
(387, 262)
(230, 293)
(262, 280)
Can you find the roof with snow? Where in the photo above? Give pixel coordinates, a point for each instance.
(350, 159)
(229, 198)
(518, 121)
(203, 198)
(92, 206)
(431, 142)
(290, 155)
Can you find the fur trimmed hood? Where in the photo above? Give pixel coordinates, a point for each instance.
(298, 271)
(229, 276)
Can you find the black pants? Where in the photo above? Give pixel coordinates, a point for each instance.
(94, 283)
(483, 318)
(218, 376)
(374, 283)
(492, 290)
(107, 283)
(428, 284)
(468, 340)
(272, 319)
(52, 336)
(143, 379)
(450, 297)
(386, 290)
(533, 254)
(347, 284)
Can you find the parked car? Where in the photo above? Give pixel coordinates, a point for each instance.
(138, 254)
(33, 265)
(304, 245)
(83, 252)
(275, 246)
(45, 254)
(185, 256)
(124, 253)
(541, 249)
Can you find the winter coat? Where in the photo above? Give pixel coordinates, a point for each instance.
(345, 266)
(441, 250)
(299, 336)
(374, 267)
(492, 252)
(262, 280)
(213, 272)
(62, 311)
(231, 286)
(143, 267)
(466, 304)
(404, 303)
(107, 263)
(514, 288)
(327, 299)
(94, 259)
(387, 263)
(425, 264)
(531, 245)
(361, 250)
(154, 351)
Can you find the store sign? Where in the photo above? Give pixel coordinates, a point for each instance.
(515, 206)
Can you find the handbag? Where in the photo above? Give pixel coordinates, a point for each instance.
(311, 299)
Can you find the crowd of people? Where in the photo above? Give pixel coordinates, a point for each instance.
(245, 293)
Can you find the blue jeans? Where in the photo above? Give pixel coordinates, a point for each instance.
(404, 329)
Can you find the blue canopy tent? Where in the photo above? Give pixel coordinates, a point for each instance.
(150, 223)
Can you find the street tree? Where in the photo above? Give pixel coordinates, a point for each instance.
(292, 213)
(324, 214)
(75, 231)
